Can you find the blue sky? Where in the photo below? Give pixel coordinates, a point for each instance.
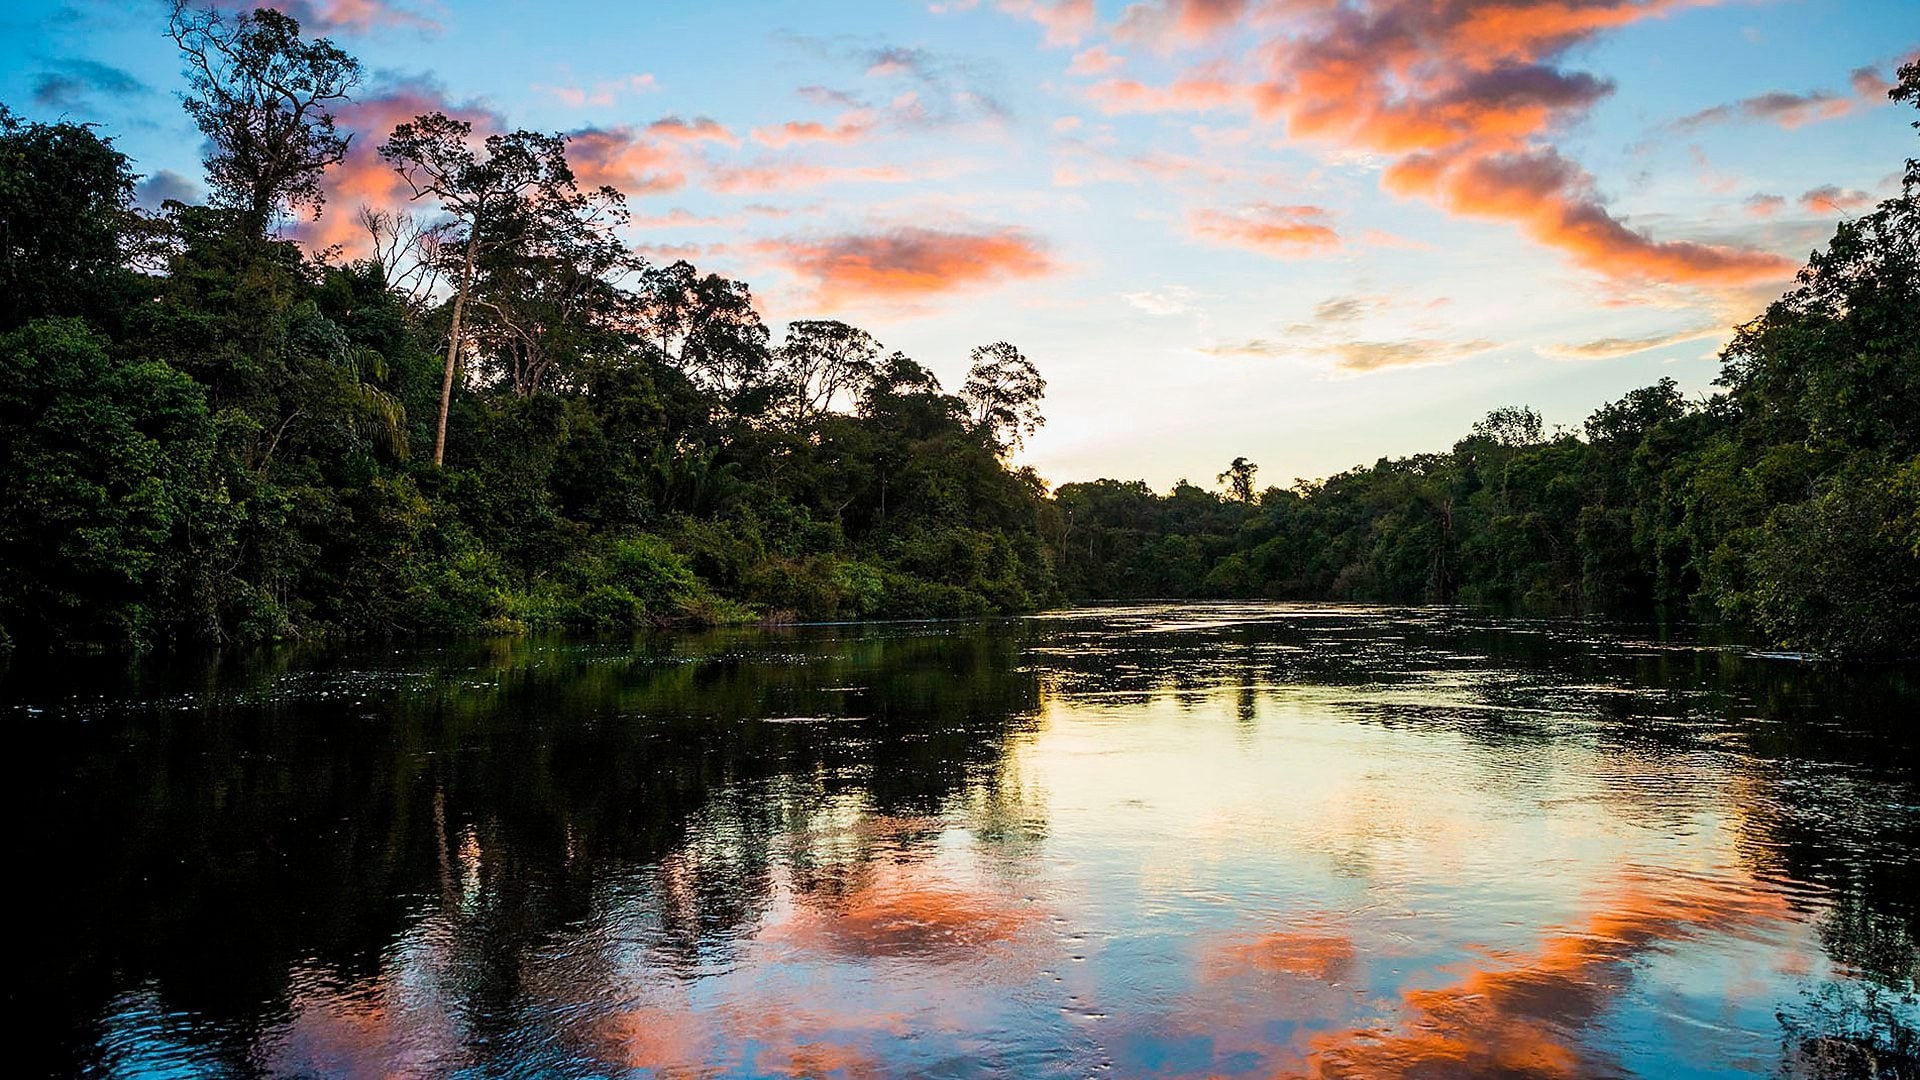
(1307, 233)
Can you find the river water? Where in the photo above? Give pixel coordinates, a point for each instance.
(1167, 840)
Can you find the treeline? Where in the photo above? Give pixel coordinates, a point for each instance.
(506, 419)
(207, 435)
(1786, 504)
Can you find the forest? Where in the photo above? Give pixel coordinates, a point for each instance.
(507, 420)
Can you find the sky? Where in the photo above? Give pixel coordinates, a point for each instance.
(1308, 233)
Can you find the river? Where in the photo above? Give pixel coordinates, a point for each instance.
(1198, 840)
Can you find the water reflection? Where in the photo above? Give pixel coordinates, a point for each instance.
(1205, 840)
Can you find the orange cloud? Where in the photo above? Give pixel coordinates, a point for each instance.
(625, 158)
(357, 16)
(1787, 110)
(1464, 96)
(1612, 347)
(788, 176)
(698, 129)
(1518, 1020)
(362, 179)
(1551, 200)
(601, 94)
(1365, 356)
(1193, 93)
(1829, 199)
(910, 264)
(1285, 231)
(902, 918)
(1868, 90)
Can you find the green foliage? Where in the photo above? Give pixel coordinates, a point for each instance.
(65, 194)
(106, 468)
(235, 443)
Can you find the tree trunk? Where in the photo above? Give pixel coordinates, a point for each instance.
(453, 347)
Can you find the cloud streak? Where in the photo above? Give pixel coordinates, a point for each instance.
(1289, 232)
(909, 265)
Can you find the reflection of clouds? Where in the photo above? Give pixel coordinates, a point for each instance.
(764, 1038)
(1306, 953)
(1117, 880)
(900, 910)
(1523, 1018)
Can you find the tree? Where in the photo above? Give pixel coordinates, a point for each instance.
(822, 363)
(410, 252)
(64, 195)
(706, 326)
(543, 306)
(498, 199)
(264, 99)
(1510, 425)
(1238, 480)
(1003, 392)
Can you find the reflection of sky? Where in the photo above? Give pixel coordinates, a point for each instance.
(1168, 883)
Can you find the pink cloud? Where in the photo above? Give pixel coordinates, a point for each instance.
(909, 264)
(1463, 97)
(1099, 60)
(851, 127)
(1289, 232)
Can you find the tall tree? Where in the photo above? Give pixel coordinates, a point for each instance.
(500, 198)
(1003, 391)
(264, 98)
(543, 305)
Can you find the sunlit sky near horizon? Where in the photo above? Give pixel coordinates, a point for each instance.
(1304, 232)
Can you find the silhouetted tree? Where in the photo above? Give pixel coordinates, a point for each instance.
(706, 326)
(822, 363)
(64, 198)
(1003, 391)
(1238, 480)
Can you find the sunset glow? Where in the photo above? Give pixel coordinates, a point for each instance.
(1167, 204)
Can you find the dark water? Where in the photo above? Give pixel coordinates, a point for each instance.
(1197, 841)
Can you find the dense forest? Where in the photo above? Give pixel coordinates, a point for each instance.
(505, 419)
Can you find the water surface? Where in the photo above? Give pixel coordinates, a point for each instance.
(1166, 841)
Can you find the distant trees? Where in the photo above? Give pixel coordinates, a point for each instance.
(1510, 425)
(1003, 392)
(1787, 506)
(263, 97)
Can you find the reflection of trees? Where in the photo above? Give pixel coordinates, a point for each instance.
(467, 807)
(401, 852)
